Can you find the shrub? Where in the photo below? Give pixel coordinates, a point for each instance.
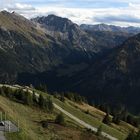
(60, 119)
(99, 131)
(131, 136)
(107, 119)
(41, 101)
(45, 124)
(50, 106)
(116, 119)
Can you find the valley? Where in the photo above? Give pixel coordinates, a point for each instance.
(64, 81)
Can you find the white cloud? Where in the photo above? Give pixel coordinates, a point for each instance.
(122, 16)
(128, 16)
(20, 7)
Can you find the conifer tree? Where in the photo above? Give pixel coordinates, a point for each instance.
(106, 119)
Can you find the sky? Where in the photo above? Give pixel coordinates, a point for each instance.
(115, 12)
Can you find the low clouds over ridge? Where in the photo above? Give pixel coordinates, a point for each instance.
(119, 18)
(122, 12)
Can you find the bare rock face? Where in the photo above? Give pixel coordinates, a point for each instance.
(67, 32)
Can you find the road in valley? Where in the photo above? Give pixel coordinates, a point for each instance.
(83, 123)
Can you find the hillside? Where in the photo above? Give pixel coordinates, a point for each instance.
(71, 34)
(113, 78)
(27, 49)
(119, 75)
(19, 46)
(19, 24)
(41, 44)
(30, 118)
(109, 39)
(30, 123)
(67, 32)
(110, 36)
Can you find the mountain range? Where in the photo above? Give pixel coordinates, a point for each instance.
(110, 28)
(100, 62)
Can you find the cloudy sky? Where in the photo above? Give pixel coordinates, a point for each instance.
(116, 12)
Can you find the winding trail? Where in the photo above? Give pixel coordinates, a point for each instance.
(83, 123)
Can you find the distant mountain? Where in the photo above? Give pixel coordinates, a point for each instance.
(110, 28)
(112, 78)
(108, 39)
(26, 48)
(109, 36)
(72, 35)
(19, 44)
(66, 32)
(115, 79)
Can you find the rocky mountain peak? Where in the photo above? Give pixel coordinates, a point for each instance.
(54, 23)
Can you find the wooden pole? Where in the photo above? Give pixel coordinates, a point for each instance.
(18, 126)
(4, 123)
(9, 126)
(5, 116)
(1, 116)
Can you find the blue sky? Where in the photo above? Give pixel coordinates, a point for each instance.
(117, 12)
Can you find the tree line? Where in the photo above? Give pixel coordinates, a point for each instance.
(120, 113)
(27, 98)
(75, 97)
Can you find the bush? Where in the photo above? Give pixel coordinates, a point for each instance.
(87, 111)
(89, 130)
(99, 131)
(50, 106)
(34, 98)
(45, 124)
(131, 136)
(60, 119)
(41, 101)
(116, 119)
(2, 92)
(42, 87)
(107, 119)
(62, 98)
(28, 100)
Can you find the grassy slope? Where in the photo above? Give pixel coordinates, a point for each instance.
(123, 126)
(91, 119)
(94, 118)
(30, 119)
(21, 25)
